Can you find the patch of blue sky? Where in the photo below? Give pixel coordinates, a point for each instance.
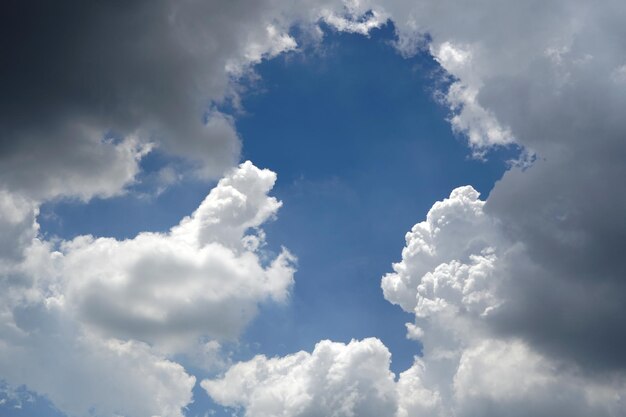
(148, 204)
(362, 150)
(19, 402)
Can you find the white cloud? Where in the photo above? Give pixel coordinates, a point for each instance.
(507, 378)
(448, 234)
(271, 43)
(162, 287)
(89, 313)
(352, 23)
(547, 75)
(84, 375)
(336, 379)
(103, 315)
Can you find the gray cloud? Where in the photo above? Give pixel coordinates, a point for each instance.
(75, 71)
(78, 72)
(550, 77)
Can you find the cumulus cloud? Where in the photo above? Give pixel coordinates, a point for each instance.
(451, 224)
(336, 379)
(531, 280)
(47, 350)
(165, 286)
(458, 275)
(92, 310)
(507, 378)
(89, 90)
(554, 85)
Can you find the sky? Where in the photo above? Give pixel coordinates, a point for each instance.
(330, 208)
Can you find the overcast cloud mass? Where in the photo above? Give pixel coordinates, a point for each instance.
(518, 297)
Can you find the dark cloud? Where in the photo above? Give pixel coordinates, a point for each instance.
(567, 291)
(73, 71)
(554, 76)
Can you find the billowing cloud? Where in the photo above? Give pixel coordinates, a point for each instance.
(336, 379)
(83, 374)
(89, 90)
(527, 286)
(458, 275)
(455, 276)
(545, 76)
(448, 234)
(204, 277)
(91, 310)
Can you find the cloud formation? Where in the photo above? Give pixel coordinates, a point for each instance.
(455, 276)
(89, 88)
(527, 286)
(336, 379)
(204, 277)
(91, 310)
(547, 77)
(458, 275)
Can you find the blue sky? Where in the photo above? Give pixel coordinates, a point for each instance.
(448, 242)
(360, 157)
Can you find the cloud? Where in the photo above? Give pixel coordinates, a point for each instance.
(448, 234)
(18, 226)
(86, 375)
(531, 279)
(456, 275)
(460, 275)
(546, 73)
(163, 287)
(91, 310)
(336, 379)
(88, 89)
(506, 378)
(45, 349)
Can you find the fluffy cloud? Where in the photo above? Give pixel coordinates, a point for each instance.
(531, 280)
(529, 285)
(86, 375)
(455, 276)
(451, 224)
(120, 80)
(92, 310)
(547, 77)
(46, 349)
(165, 286)
(458, 276)
(336, 379)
